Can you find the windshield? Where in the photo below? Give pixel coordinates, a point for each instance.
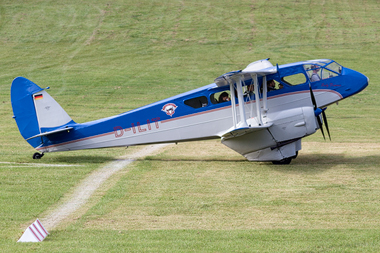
(322, 69)
(335, 67)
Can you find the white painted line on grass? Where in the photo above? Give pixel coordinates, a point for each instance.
(38, 164)
(90, 184)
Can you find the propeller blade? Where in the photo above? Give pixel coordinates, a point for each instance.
(317, 112)
(325, 121)
(320, 126)
(313, 98)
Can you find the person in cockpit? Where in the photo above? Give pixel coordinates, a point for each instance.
(249, 90)
(271, 85)
(223, 97)
(315, 77)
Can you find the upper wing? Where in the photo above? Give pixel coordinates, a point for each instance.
(260, 68)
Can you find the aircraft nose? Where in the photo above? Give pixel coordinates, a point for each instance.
(355, 82)
(362, 82)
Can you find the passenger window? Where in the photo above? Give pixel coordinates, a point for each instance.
(248, 90)
(197, 102)
(220, 97)
(295, 79)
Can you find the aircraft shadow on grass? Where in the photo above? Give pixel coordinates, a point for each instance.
(316, 163)
(312, 163)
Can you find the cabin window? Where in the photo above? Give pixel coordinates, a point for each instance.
(197, 102)
(272, 85)
(220, 97)
(296, 79)
(248, 90)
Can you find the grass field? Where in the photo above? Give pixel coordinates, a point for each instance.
(101, 58)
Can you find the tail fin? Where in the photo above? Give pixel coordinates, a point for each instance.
(35, 111)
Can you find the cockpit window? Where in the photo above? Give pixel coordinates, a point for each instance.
(335, 67)
(331, 70)
(316, 72)
(313, 72)
(325, 73)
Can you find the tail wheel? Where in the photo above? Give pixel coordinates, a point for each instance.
(38, 155)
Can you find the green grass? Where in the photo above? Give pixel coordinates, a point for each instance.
(101, 58)
(333, 240)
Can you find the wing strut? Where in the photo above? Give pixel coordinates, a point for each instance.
(236, 80)
(257, 98)
(265, 94)
(233, 104)
(239, 88)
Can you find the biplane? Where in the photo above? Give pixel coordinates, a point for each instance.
(262, 112)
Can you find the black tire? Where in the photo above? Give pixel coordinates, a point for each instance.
(37, 155)
(294, 157)
(284, 161)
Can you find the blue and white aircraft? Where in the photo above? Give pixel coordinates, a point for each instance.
(262, 112)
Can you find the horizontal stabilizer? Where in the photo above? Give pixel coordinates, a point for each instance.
(52, 132)
(244, 130)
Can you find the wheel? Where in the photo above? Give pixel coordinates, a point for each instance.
(37, 155)
(284, 161)
(294, 157)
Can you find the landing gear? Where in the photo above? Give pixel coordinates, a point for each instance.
(38, 155)
(284, 161)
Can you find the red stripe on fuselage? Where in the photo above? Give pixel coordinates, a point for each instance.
(78, 140)
(192, 115)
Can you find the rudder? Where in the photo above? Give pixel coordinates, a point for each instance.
(35, 111)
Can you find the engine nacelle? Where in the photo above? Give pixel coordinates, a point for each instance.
(281, 140)
(292, 124)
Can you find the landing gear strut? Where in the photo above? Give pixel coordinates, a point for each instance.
(38, 155)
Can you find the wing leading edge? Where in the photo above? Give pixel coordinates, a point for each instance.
(244, 130)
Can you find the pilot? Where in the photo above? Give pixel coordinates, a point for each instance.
(224, 97)
(315, 77)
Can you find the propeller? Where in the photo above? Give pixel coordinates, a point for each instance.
(317, 112)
